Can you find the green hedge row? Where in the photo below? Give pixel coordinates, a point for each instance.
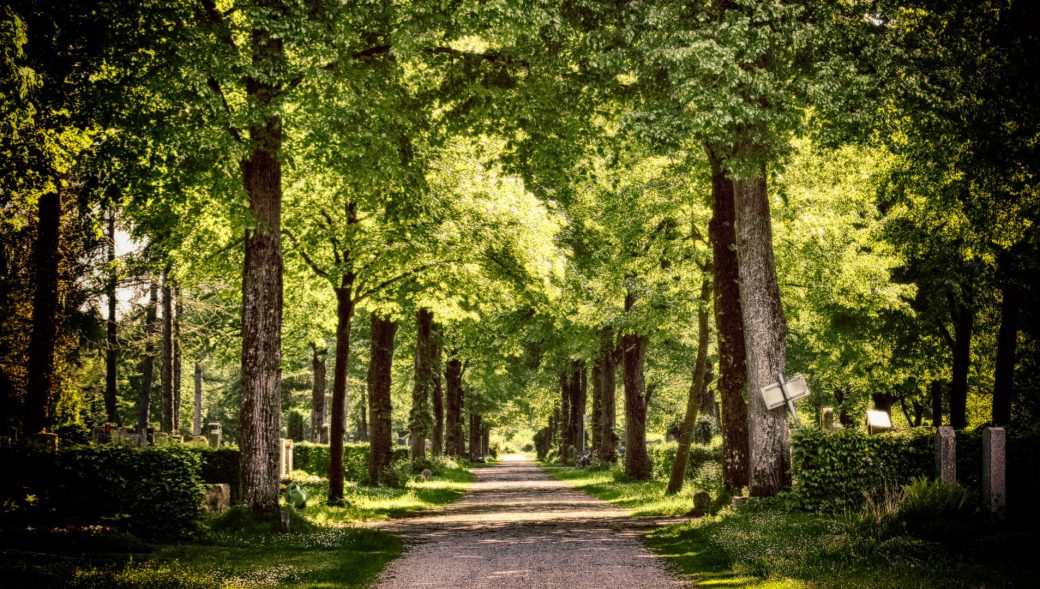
(663, 455)
(833, 470)
(314, 459)
(222, 466)
(154, 493)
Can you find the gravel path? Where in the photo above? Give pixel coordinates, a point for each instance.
(519, 528)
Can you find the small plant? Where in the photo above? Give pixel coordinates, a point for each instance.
(878, 519)
(926, 500)
(397, 474)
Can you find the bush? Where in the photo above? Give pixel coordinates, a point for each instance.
(835, 471)
(222, 466)
(314, 458)
(397, 474)
(154, 493)
(925, 500)
(663, 455)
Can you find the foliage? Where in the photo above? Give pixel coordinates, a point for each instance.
(154, 493)
(834, 471)
(314, 458)
(221, 465)
(663, 455)
(927, 500)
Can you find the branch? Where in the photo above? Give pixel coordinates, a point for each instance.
(306, 258)
(400, 277)
(215, 86)
(329, 225)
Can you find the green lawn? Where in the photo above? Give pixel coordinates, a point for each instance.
(323, 551)
(769, 545)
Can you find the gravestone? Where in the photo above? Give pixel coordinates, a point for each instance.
(98, 435)
(45, 440)
(285, 458)
(161, 439)
(994, 494)
(325, 436)
(215, 434)
(701, 503)
(218, 497)
(878, 421)
(427, 474)
(946, 454)
(827, 419)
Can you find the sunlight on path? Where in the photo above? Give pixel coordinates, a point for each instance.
(518, 528)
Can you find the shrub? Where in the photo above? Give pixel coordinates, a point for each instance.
(835, 471)
(222, 466)
(314, 458)
(663, 455)
(927, 500)
(397, 474)
(155, 493)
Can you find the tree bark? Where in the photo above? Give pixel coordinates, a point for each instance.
(344, 316)
(178, 309)
(963, 316)
(605, 410)
(196, 423)
(437, 443)
(454, 444)
(166, 375)
(420, 419)
(260, 414)
(729, 327)
(44, 335)
(1007, 342)
(765, 336)
(379, 408)
(566, 446)
(693, 401)
(144, 400)
(633, 354)
(475, 434)
(362, 432)
(578, 389)
(319, 386)
(111, 327)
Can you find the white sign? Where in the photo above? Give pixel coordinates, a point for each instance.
(878, 421)
(774, 397)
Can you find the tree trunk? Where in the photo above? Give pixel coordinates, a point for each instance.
(319, 385)
(420, 420)
(633, 354)
(475, 436)
(362, 432)
(437, 443)
(379, 409)
(178, 309)
(937, 402)
(344, 316)
(260, 414)
(578, 388)
(765, 336)
(111, 344)
(1007, 341)
(144, 401)
(605, 379)
(485, 441)
(963, 316)
(453, 384)
(729, 327)
(44, 335)
(693, 401)
(566, 446)
(707, 396)
(196, 423)
(166, 375)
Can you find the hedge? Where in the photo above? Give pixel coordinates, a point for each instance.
(314, 459)
(154, 493)
(221, 465)
(833, 471)
(663, 455)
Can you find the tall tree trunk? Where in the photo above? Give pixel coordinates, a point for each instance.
(963, 316)
(260, 413)
(196, 422)
(178, 309)
(597, 406)
(475, 434)
(319, 385)
(166, 375)
(420, 420)
(44, 335)
(485, 441)
(578, 388)
(454, 445)
(693, 401)
(765, 336)
(362, 433)
(936, 391)
(437, 442)
(1007, 341)
(344, 316)
(633, 354)
(379, 409)
(566, 446)
(111, 344)
(606, 381)
(144, 400)
(707, 396)
(729, 327)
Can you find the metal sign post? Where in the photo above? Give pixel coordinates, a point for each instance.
(785, 393)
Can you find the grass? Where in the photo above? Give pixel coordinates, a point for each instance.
(237, 550)
(770, 545)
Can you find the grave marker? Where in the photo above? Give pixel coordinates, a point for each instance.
(878, 421)
(946, 454)
(994, 495)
